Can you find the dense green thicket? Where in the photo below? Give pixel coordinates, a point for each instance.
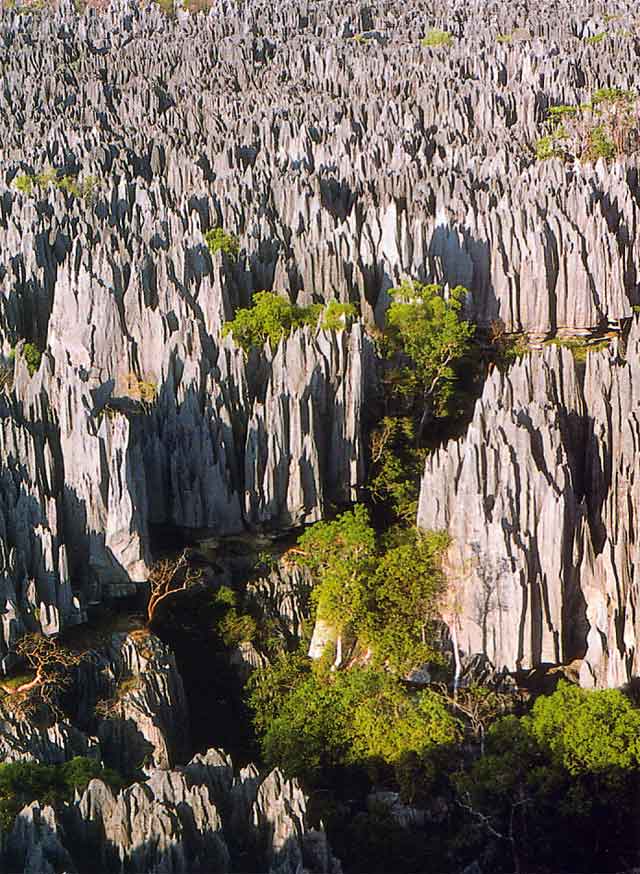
(557, 787)
(272, 317)
(32, 356)
(383, 593)
(427, 326)
(23, 782)
(605, 127)
(316, 720)
(219, 240)
(29, 183)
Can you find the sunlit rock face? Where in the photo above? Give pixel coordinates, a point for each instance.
(539, 498)
(345, 156)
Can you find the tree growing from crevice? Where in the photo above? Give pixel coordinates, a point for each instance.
(425, 323)
(52, 663)
(167, 577)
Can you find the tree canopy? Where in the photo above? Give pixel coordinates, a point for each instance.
(272, 317)
(427, 325)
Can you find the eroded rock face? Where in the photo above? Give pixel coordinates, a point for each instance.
(539, 499)
(609, 533)
(508, 495)
(177, 821)
(199, 816)
(342, 165)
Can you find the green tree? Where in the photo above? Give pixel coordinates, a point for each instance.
(270, 686)
(219, 240)
(309, 737)
(586, 731)
(23, 782)
(337, 316)
(407, 586)
(389, 722)
(396, 468)
(271, 318)
(427, 325)
(558, 786)
(342, 553)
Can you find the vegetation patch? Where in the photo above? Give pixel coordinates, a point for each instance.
(273, 317)
(436, 38)
(29, 183)
(23, 782)
(218, 240)
(580, 347)
(606, 127)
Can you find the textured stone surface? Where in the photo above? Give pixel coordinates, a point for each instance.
(539, 497)
(202, 816)
(342, 165)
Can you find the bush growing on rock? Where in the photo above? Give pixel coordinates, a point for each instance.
(219, 240)
(426, 324)
(436, 38)
(272, 317)
(362, 717)
(555, 786)
(606, 127)
(384, 594)
(27, 183)
(32, 357)
(23, 782)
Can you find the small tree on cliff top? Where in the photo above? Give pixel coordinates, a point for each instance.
(427, 325)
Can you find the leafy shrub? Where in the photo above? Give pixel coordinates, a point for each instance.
(362, 717)
(579, 347)
(506, 348)
(565, 775)
(396, 468)
(32, 357)
(606, 127)
(23, 782)
(26, 183)
(427, 325)
(384, 594)
(406, 588)
(336, 316)
(587, 732)
(218, 240)
(232, 626)
(436, 38)
(272, 317)
(143, 390)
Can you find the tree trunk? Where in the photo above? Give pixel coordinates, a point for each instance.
(456, 659)
(338, 659)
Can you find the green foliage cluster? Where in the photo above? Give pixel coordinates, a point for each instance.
(218, 240)
(23, 782)
(231, 624)
(32, 356)
(435, 38)
(313, 721)
(384, 594)
(579, 348)
(595, 38)
(396, 466)
(426, 325)
(506, 348)
(272, 317)
(555, 783)
(605, 127)
(27, 183)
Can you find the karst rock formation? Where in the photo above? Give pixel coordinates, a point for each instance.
(345, 155)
